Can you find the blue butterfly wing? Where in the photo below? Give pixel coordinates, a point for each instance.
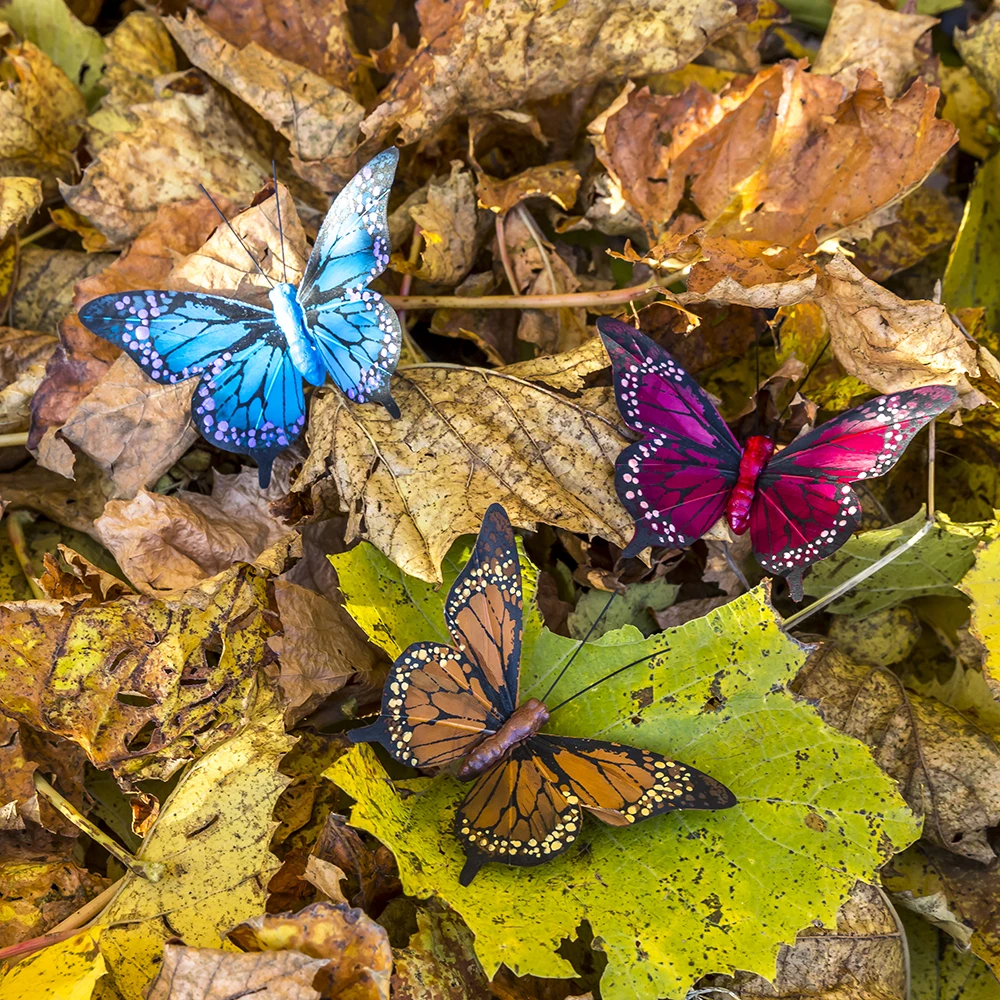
(358, 338)
(353, 243)
(250, 400)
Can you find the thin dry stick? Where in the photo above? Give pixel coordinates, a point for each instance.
(572, 300)
(505, 259)
(537, 237)
(16, 440)
(151, 870)
(409, 344)
(15, 532)
(45, 230)
(931, 454)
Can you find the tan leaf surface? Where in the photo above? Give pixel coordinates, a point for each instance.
(23, 355)
(319, 650)
(469, 437)
(138, 51)
(326, 877)
(212, 837)
(138, 683)
(171, 542)
(320, 121)
(558, 181)
(864, 35)
(787, 158)
(479, 57)
(888, 342)
(356, 948)
(45, 285)
(439, 959)
(132, 428)
(20, 198)
(948, 770)
(312, 33)
(41, 117)
(213, 974)
(187, 138)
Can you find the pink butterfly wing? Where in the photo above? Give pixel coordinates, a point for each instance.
(803, 509)
(674, 482)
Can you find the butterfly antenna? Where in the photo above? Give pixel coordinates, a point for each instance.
(281, 237)
(256, 263)
(809, 372)
(606, 677)
(583, 641)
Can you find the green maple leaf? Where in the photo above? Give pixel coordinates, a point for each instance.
(685, 893)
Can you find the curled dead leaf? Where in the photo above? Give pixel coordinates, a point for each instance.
(558, 181)
(20, 198)
(23, 356)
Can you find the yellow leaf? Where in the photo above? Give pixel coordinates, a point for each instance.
(212, 836)
(65, 971)
(19, 200)
(982, 584)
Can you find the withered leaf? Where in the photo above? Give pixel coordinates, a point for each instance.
(978, 47)
(439, 960)
(469, 437)
(558, 181)
(477, 57)
(948, 770)
(20, 198)
(23, 355)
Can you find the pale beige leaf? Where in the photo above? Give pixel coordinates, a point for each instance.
(23, 355)
(326, 877)
(19, 200)
(469, 437)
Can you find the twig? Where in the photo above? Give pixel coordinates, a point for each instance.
(15, 952)
(151, 870)
(931, 441)
(15, 532)
(16, 440)
(572, 300)
(38, 234)
(546, 263)
(505, 258)
(409, 344)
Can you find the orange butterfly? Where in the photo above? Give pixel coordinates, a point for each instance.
(458, 705)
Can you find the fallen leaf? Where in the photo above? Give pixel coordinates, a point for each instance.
(862, 955)
(185, 138)
(168, 542)
(440, 960)
(41, 113)
(947, 768)
(651, 937)
(326, 877)
(864, 35)
(78, 50)
(969, 108)
(474, 58)
(68, 575)
(557, 181)
(23, 355)
(939, 968)
(935, 565)
(978, 47)
(213, 974)
(20, 198)
(312, 33)
(686, 611)
(318, 651)
(320, 121)
(370, 874)
(139, 51)
(356, 949)
(891, 343)
(141, 685)
(880, 639)
(68, 970)
(982, 585)
(212, 838)
(638, 605)
(469, 437)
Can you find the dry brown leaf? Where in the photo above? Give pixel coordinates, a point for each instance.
(326, 877)
(20, 198)
(948, 770)
(979, 47)
(312, 33)
(685, 611)
(45, 285)
(138, 51)
(132, 428)
(319, 650)
(788, 158)
(23, 355)
(171, 542)
(214, 974)
(82, 357)
(863, 957)
(888, 342)
(476, 57)
(69, 575)
(558, 181)
(41, 117)
(469, 437)
(186, 138)
(371, 875)
(862, 34)
(320, 121)
(356, 948)
(439, 960)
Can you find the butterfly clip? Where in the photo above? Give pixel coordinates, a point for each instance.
(688, 469)
(458, 707)
(251, 362)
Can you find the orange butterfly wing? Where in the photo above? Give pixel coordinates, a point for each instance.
(529, 808)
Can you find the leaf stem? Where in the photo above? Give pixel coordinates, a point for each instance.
(15, 532)
(151, 870)
(614, 296)
(505, 256)
(16, 440)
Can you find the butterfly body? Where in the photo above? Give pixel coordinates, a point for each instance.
(688, 470)
(446, 706)
(252, 361)
(758, 449)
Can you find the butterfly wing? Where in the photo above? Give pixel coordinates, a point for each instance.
(529, 808)
(804, 509)
(357, 333)
(484, 608)
(674, 482)
(436, 706)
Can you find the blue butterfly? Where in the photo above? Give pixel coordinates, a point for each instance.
(252, 361)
